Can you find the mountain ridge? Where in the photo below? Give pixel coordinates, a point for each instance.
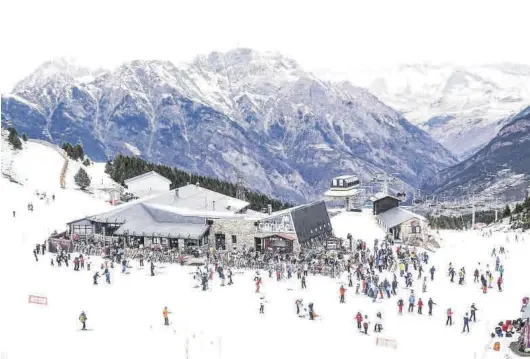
(285, 129)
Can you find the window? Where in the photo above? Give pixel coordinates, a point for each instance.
(416, 229)
(234, 239)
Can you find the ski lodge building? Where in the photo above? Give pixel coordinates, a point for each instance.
(400, 224)
(195, 217)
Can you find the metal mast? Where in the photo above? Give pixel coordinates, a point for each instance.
(240, 187)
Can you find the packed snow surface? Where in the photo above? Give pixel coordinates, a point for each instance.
(125, 318)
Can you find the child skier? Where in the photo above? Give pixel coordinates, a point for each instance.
(82, 319)
(166, 313)
(449, 317)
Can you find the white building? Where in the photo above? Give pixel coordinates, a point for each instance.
(148, 184)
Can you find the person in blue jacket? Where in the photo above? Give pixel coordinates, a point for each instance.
(412, 300)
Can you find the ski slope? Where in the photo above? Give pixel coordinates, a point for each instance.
(125, 317)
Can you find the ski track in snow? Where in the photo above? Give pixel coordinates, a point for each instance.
(126, 317)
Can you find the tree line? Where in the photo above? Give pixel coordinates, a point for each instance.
(520, 215)
(125, 167)
(460, 222)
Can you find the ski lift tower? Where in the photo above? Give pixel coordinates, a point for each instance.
(385, 180)
(346, 188)
(240, 187)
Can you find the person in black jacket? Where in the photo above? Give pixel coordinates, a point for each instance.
(473, 316)
(96, 276)
(466, 323)
(430, 303)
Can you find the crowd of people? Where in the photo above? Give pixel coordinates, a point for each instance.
(380, 272)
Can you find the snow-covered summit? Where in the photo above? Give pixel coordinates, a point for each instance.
(463, 107)
(284, 128)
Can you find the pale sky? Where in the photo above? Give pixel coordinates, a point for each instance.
(324, 34)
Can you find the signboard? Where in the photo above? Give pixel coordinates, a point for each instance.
(34, 299)
(275, 227)
(387, 343)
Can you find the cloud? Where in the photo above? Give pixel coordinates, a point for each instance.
(327, 34)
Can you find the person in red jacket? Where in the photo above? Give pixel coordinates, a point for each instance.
(499, 284)
(449, 317)
(359, 319)
(420, 305)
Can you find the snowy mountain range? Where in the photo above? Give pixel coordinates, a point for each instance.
(462, 107)
(284, 129)
(501, 168)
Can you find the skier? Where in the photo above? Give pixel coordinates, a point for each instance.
(35, 254)
(473, 316)
(14, 214)
(96, 276)
(499, 284)
(342, 291)
(400, 305)
(107, 275)
(412, 300)
(449, 317)
(82, 319)
(311, 312)
(378, 323)
(476, 275)
(366, 324)
(430, 303)
(424, 286)
(420, 306)
(466, 323)
(262, 305)
(304, 286)
(258, 283)
(359, 320)
(298, 304)
(166, 313)
(152, 269)
(230, 277)
(357, 286)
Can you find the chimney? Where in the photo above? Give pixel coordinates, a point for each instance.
(213, 206)
(269, 208)
(197, 184)
(176, 192)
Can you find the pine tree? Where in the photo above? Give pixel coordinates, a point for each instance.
(506, 211)
(13, 138)
(82, 179)
(86, 162)
(78, 152)
(25, 137)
